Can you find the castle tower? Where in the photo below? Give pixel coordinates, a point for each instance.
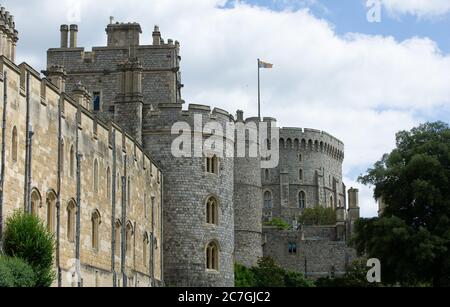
(123, 34)
(353, 209)
(129, 103)
(8, 35)
(248, 199)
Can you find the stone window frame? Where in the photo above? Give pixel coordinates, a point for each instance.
(96, 221)
(51, 199)
(212, 164)
(129, 239)
(301, 175)
(71, 211)
(212, 217)
(14, 145)
(212, 249)
(305, 205)
(292, 248)
(118, 237)
(100, 95)
(35, 209)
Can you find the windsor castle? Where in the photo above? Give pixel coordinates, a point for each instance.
(87, 147)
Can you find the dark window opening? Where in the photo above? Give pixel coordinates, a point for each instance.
(96, 101)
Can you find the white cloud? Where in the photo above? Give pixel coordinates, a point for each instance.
(419, 8)
(360, 88)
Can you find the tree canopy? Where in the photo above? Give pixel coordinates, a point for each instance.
(412, 236)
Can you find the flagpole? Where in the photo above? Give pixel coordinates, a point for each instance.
(259, 91)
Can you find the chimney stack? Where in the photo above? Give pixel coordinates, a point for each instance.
(156, 36)
(64, 36)
(73, 36)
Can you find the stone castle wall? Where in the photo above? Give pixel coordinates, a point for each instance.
(315, 256)
(95, 146)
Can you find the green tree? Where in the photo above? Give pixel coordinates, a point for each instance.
(26, 237)
(412, 237)
(318, 216)
(355, 277)
(15, 273)
(268, 274)
(244, 277)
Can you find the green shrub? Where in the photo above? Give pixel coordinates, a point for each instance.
(26, 237)
(279, 223)
(15, 272)
(244, 277)
(318, 217)
(297, 280)
(268, 274)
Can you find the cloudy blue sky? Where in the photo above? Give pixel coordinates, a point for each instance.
(334, 70)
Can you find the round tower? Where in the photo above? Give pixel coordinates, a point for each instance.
(198, 196)
(247, 194)
(309, 174)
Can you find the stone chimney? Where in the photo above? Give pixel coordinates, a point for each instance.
(64, 36)
(156, 36)
(123, 34)
(353, 204)
(73, 36)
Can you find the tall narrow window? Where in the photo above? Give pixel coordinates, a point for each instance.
(35, 202)
(267, 174)
(331, 202)
(51, 212)
(96, 101)
(108, 183)
(72, 162)
(61, 154)
(117, 236)
(95, 220)
(268, 200)
(96, 176)
(71, 209)
(300, 175)
(212, 211)
(145, 250)
(300, 158)
(129, 239)
(212, 165)
(292, 248)
(302, 200)
(14, 144)
(212, 257)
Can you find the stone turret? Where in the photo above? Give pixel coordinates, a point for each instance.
(8, 35)
(129, 103)
(82, 96)
(57, 75)
(248, 199)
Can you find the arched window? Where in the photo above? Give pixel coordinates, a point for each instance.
(14, 144)
(95, 176)
(129, 239)
(145, 246)
(36, 202)
(212, 211)
(72, 162)
(108, 183)
(117, 236)
(71, 211)
(212, 256)
(300, 175)
(212, 165)
(302, 200)
(61, 154)
(268, 200)
(96, 221)
(51, 211)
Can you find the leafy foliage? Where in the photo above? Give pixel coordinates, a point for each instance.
(269, 275)
(356, 277)
(26, 237)
(15, 273)
(318, 216)
(279, 223)
(412, 237)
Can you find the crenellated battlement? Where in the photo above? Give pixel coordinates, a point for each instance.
(301, 139)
